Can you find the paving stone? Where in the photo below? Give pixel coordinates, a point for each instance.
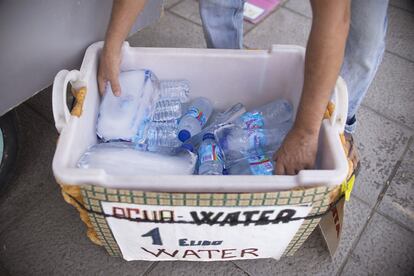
(33, 177)
(282, 27)
(313, 258)
(51, 240)
(170, 31)
(42, 103)
(403, 4)
(384, 249)
(300, 6)
(169, 3)
(190, 10)
(195, 268)
(3, 271)
(380, 143)
(391, 92)
(400, 35)
(398, 201)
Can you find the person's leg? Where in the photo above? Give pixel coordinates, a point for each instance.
(364, 50)
(222, 23)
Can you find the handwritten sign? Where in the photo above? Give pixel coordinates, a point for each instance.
(155, 233)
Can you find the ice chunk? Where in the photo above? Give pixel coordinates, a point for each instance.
(125, 117)
(121, 158)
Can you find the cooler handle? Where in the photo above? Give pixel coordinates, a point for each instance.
(61, 112)
(340, 113)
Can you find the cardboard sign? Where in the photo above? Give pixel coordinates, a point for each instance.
(332, 225)
(202, 233)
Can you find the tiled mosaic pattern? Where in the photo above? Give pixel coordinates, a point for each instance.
(93, 195)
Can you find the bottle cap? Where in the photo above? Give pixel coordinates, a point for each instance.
(188, 147)
(208, 136)
(184, 135)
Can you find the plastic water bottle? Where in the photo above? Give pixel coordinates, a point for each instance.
(267, 116)
(195, 118)
(211, 158)
(255, 164)
(237, 142)
(162, 137)
(219, 119)
(121, 158)
(175, 89)
(260, 130)
(167, 109)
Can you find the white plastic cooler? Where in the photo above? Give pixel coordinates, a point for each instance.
(252, 77)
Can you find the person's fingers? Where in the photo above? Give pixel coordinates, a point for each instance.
(308, 166)
(115, 86)
(290, 170)
(101, 84)
(298, 169)
(280, 169)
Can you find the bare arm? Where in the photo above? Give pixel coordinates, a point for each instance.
(124, 13)
(324, 56)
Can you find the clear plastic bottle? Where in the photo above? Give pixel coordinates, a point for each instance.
(195, 118)
(162, 137)
(167, 109)
(178, 89)
(237, 142)
(219, 119)
(211, 158)
(255, 164)
(260, 130)
(267, 116)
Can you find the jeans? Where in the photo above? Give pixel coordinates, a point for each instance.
(223, 28)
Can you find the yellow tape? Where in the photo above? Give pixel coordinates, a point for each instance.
(347, 187)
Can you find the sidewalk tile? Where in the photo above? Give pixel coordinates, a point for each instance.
(170, 31)
(33, 177)
(313, 257)
(398, 201)
(282, 27)
(169, 3)
(384, 249)
(404, 4)
(3, 271)
(400, 35)
(51, 239)
(42, 103)
(195, 268)
(300, 6)
(190, 10)
(380, 143)
(391, 92)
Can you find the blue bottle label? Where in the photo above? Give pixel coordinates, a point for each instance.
(256, 138)
(260, 165)
(211, 153)
(198, 114)
(252, 121)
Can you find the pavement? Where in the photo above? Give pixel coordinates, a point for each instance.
(41, 235)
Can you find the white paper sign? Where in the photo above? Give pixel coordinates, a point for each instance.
(203, 233)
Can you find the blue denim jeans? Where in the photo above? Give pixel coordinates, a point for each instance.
(223, 28)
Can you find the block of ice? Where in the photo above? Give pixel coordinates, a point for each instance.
(121, 158)
(125, 117)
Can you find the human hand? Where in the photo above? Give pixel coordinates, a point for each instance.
(297, 152)
(108, 71)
